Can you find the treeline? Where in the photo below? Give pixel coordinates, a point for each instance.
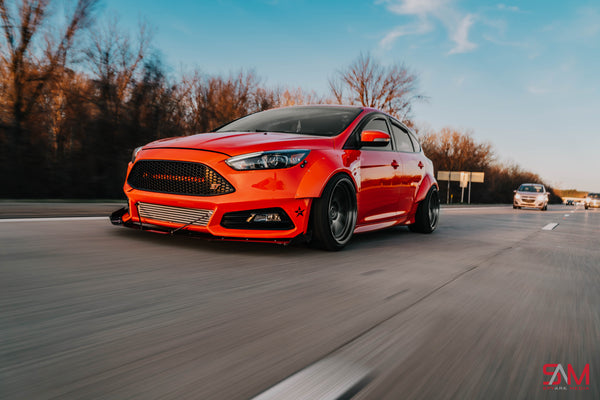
(454, 150)
(76, 98)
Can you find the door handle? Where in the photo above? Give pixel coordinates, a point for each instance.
(395, 164)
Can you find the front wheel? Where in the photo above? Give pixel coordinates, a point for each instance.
(334, 214)
(428, 213)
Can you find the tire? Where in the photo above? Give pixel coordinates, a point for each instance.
(544, 208)
(514, 207)
(586, 207)
(333, 215)
(428, 213)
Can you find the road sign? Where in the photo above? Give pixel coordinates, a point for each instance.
(455, 176)
(477, 177)
(464, 177)
(449, 175)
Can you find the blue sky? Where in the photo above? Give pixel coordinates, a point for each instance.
(522, 75)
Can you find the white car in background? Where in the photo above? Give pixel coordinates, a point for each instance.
(592, 200)
(532, 195)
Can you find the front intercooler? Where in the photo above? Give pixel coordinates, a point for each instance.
(177, 215)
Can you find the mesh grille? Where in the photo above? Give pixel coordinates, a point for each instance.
(177, 177)
(179, 215)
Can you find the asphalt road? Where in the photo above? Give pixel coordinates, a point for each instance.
(473, 311)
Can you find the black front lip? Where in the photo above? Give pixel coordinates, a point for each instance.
(116, 218)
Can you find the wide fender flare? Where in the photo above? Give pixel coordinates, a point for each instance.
(426, 184)
(319, 173)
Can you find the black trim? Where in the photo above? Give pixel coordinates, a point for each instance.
(116, 216)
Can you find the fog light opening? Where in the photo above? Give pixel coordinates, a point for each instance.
(262, 219)
(267, 217)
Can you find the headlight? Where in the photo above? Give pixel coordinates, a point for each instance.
(587, 199)
(517, 196)
(267, 160)
(135, 153)
(541, 196)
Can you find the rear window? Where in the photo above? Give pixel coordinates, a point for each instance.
(321, 121)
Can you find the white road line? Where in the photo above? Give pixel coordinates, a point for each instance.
(550, 226)
(58, 219)
(474, 208)
(328, 379)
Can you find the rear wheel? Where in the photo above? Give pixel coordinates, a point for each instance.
(428, 213)
(334, 214)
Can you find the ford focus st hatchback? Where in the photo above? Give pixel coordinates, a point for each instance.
(317, 173)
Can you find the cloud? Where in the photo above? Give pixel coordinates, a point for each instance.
(504, 7)
(417, 29)
(415, 7)
(441, 11)
(458, 82)
(461, 36)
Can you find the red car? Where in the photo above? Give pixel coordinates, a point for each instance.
(317, 173)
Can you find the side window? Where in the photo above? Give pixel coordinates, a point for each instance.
(403, 142)
(415, 142)
(378, 124)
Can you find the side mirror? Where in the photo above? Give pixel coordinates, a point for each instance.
(374, 138)
(514, 191)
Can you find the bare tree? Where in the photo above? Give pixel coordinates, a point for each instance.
(28, 71)
(293, 97)
(366, 82)
(115, 61)
(214, 100)
(452, 150)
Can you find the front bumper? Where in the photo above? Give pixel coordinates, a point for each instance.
(203, 215)
(297, 210)
(593, 204)
(530, 202)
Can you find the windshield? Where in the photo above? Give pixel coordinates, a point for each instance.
(594, 195)
(531, 188)
(321, 121)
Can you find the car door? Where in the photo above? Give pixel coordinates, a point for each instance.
(412, 171)
(380, 188)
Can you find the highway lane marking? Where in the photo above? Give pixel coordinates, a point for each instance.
(57, 219)
(446, 209)
(550, 226)
(331, 378)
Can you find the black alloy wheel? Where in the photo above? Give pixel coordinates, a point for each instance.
(334, 214)
(428, 213)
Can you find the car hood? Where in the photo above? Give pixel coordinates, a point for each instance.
(531, 193)
(236, 143)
